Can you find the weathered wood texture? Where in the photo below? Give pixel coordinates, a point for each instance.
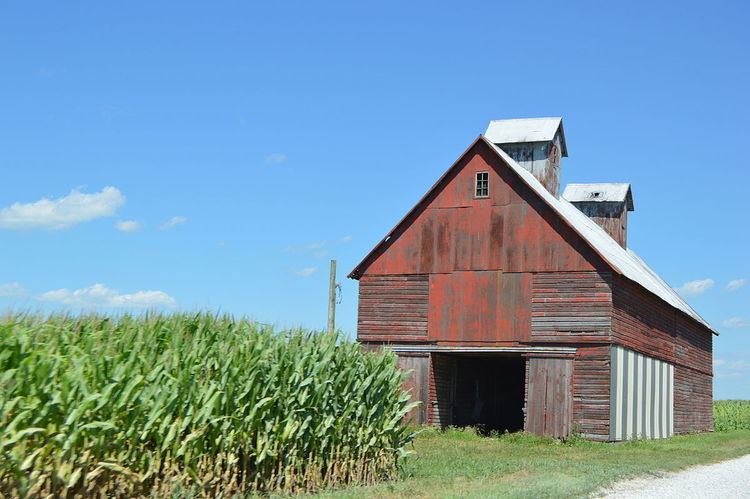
(479, 306)
(647, 325)
(441, 390)
(512, 230)
(416, 367)
(591, 381)
(611, 216)
(393, 308)
(549, 400)
(693, 399)
(571, 306)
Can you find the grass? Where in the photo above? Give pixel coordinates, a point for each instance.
(460, 463)
(162, 404)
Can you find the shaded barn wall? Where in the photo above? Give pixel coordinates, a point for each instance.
(612, 217)
(651, 327)
(591, 386)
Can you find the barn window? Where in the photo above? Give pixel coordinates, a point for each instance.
(482, 185)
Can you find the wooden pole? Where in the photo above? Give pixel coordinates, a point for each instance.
(332, 299)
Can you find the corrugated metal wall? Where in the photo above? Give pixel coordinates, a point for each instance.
(641, 396)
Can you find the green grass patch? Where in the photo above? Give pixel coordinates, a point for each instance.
(160, 405)
(731, 415)
(460, 463)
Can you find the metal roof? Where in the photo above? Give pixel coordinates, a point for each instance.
(525, 130)
(599, 193)
(624, 261)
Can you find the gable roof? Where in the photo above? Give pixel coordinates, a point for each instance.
(526, 130)
(599, 193)
(622, 261)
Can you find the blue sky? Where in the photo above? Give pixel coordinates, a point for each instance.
(216, 156)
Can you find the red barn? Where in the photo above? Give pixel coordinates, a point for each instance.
(515, 308)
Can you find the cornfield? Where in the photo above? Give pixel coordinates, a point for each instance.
(157, 404)
(731, 415)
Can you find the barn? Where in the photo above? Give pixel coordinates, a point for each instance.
(512, 306)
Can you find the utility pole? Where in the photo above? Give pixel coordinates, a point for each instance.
(332, 299)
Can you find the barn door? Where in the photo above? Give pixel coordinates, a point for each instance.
(417, 376)
(549, 400)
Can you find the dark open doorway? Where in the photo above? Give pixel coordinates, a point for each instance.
(484, 391)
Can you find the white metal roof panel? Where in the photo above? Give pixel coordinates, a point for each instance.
(522, 130)
(624, 261)
(601, 192)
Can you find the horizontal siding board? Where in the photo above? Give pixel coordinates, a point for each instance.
(393, 308)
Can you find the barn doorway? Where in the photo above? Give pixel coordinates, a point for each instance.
(483, 391)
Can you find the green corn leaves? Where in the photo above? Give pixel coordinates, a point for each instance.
(158, 404)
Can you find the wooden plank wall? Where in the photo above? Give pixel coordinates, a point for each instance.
(416, 367)
(693, 401)
(393, 308)
(591, 383)
(649, 326)
(441, 391)
(549, 397)
(571, 306)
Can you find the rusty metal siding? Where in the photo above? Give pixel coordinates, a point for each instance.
(549, 401)
(512, 230)
(393, 308)
(571, 306)
(479, 307)
(642, 396)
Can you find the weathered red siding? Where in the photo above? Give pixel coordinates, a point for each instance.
(512, 230)
(591, 373)
(393, 308)
(647, 325)
(479, 306)
(693, 401)
(571, 306)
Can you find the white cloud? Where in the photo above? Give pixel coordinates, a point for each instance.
(128, 226)
(12, 289)
(719, 362)
(692, 288)
(62, 213)
(307, 271)
(346, 239)
(276, 158)
(736, 284)
(737, 322)
(100, 295)
(173, 222)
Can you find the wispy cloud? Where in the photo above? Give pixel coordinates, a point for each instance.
(692, 288)
(737, 322)
(736, 284)
(102, 296)
(62, 213)
(12, 289)
(306, 272)
(128, 226)
(275, 158)
(346, 239)
(173, 222)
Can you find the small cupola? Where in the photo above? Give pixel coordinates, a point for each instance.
(606, 204)
(537, 144)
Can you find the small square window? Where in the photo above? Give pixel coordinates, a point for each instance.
(482, 185)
